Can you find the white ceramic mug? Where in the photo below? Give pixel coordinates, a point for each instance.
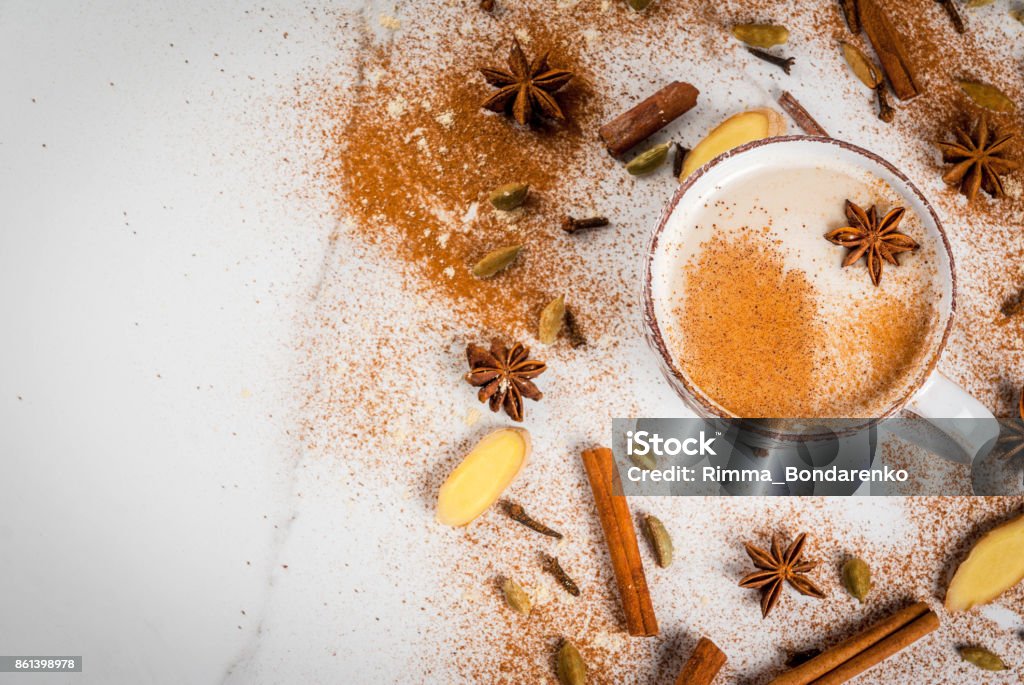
(932, 395)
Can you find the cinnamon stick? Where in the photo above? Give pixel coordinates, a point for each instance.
(888, 45)
(801, 116)
(902, 638)
(704, 664)
(651, 115)
(852, 13)
(617, 524)
(836, 657)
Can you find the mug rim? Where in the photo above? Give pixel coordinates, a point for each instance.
(653, 330)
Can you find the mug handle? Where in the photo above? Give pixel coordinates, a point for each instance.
(960, 417)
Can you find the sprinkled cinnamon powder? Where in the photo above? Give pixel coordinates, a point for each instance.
(383, 375)
(416, 181)
(894, 334)
(409, 158)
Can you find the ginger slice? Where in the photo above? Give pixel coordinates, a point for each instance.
(735, 131)
(483, 475)
(995, 564)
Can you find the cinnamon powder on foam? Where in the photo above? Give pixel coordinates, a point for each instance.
(755, 342)
(748, 325)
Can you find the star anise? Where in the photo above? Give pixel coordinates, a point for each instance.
(1014, 442)
(979, 159)
(776, 568)
(504, 375)
(875, 240)
(526, 88)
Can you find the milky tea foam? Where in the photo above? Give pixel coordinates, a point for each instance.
(760, 317)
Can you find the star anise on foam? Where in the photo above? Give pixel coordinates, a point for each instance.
(776, 568)
(979, 159)
(503, 376)
(875, 240)
(1014, 442)
(526, 88)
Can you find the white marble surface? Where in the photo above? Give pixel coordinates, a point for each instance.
(151, 281)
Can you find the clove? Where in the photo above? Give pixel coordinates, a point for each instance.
(885, 111)
(571, 225)
(572, 327)
(552, 566)
(518, 514)
(784, 63)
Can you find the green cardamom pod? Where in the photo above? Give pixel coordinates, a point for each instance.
(509, 196)
(982, 658)
(761, 35)
(639, 5)
(551, 319)
(571, 669)
(857, 578)
(660, 540)
(496, 260)
(648, 160)
(862, 67)
(988, 96)
(516, 597)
